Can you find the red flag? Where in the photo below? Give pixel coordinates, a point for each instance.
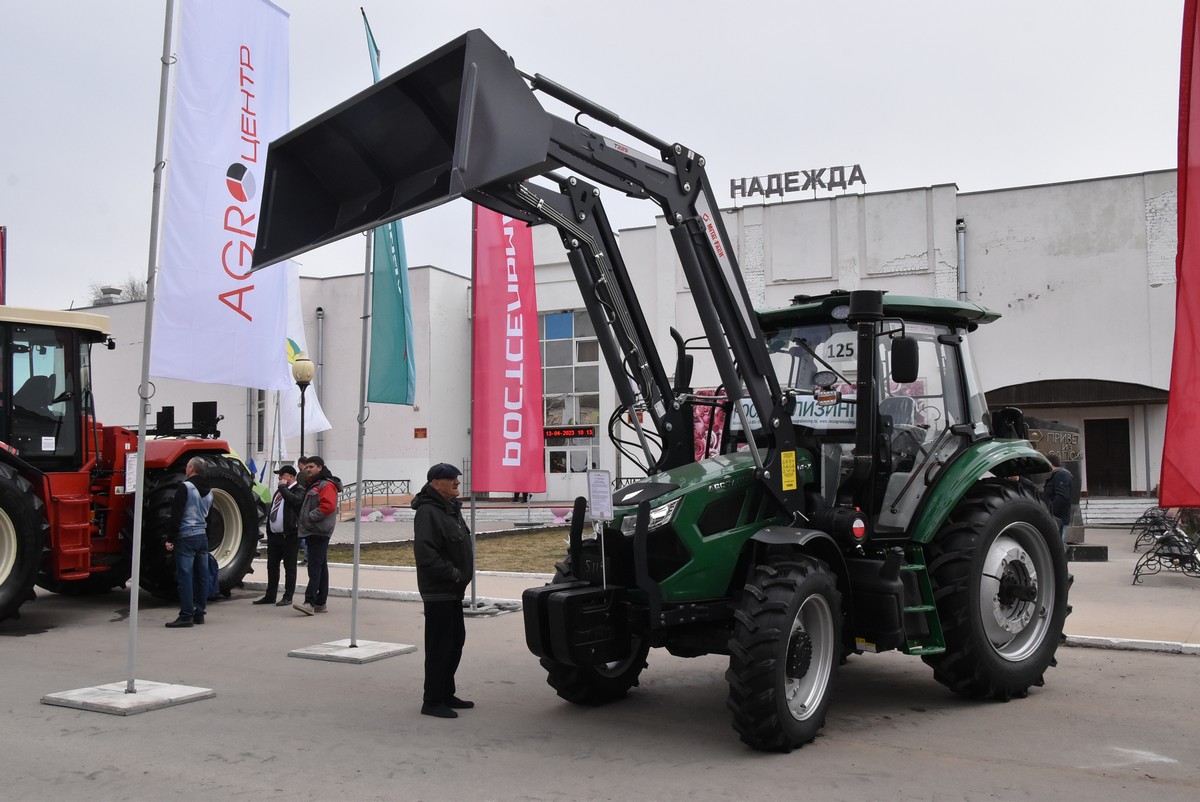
(1180, 485)
(506, 419)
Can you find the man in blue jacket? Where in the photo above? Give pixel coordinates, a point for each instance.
(445, 562)
(188, 539)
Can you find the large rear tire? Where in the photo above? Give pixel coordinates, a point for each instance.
(232, 529)
(784, 653)
(1000, 581)
(23, 532)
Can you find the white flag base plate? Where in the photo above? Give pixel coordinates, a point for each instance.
(340, 651)
(113, 699)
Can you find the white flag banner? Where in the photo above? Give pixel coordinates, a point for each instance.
(214, 320)
(289, 399)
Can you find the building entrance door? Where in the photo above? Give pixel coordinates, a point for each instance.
(566, 471)
(1106, 457)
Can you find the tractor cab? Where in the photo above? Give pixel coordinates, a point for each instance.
(45, 384)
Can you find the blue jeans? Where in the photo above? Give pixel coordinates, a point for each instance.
(316, 592)
(191, 572)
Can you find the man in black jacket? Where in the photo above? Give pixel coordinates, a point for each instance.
(1056, 494)
(445, 562)
(283, 544)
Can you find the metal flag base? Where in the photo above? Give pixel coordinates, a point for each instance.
(340, 651)
(113, 699)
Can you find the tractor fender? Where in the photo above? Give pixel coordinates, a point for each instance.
(811, 541)
(33, 475)
(953, 480)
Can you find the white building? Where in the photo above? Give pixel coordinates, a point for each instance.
(1083, 272)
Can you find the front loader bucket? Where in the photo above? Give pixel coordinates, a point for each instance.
(458, 119)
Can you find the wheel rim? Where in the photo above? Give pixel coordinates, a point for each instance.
(1016, 594)
(225, 532)
(618, 667)
(8, 547)
(809, 657)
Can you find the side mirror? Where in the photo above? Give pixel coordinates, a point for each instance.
(905, 362)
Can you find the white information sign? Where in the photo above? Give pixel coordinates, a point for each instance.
(131, 461)
(600, 495)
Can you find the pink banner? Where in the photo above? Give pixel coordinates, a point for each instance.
(506, 419)
(1180, 485)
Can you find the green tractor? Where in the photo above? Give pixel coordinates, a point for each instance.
(862, 498)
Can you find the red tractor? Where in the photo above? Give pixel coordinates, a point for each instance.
(66, 521)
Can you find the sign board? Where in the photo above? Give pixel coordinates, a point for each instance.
(600, 495)
(131, 460)
(569, 431)
(809, 414)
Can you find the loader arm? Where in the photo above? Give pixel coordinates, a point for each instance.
(464, 122)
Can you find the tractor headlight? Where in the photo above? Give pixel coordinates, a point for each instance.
(659, 516)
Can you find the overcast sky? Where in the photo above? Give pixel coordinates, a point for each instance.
(983, 95)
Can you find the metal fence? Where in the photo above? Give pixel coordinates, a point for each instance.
(374, 487)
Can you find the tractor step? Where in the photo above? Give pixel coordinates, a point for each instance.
(933, 642)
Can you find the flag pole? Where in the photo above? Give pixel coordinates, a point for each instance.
(144, 389)
(471, 393)
(363, 413)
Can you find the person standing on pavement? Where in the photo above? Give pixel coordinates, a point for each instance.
(445, 562)
(283, 542)
(318, 514)
(188, 540)
(1056, 494)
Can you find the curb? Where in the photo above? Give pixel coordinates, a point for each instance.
(1132, 645)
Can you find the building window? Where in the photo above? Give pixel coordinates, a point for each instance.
(571, 388)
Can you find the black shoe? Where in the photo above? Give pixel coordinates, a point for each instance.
(441, 711)
(284, 602)
(181, 621)
(265, 600)
(198, 619)
(459, 704)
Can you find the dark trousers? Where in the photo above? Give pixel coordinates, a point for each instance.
(191, 574)
(285, 548)
(317, 592)
(445, 634)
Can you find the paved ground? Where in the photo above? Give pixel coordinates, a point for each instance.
(1107, 725)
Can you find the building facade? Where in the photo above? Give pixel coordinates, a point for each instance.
(1083, 273)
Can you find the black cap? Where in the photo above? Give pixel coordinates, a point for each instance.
(443, 470)
(286, 469)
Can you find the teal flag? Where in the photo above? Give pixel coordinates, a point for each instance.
(392, 367)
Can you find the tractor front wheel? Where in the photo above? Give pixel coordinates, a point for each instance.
(999, 576)
(784, 653)
(23, 530)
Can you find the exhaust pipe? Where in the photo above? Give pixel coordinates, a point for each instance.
(456, 120)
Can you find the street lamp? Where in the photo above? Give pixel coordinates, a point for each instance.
(303, 371)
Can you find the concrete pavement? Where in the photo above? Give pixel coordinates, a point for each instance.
(1160, 614)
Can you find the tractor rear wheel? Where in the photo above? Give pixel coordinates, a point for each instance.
(232, 529)
(23, 531)
(784, 653)
(1000, 580)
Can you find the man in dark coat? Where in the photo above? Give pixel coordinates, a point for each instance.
(445, 563)
(1056, 494)
(283, 543)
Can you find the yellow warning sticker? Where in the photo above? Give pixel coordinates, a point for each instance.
(863, 645)
(787, 462)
